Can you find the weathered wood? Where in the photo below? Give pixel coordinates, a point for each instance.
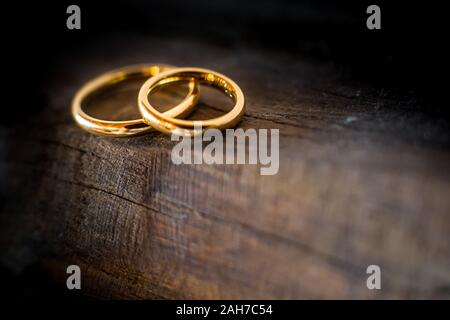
(364, 179)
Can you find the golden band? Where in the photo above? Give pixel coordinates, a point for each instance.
(167, 124)
(127, 127)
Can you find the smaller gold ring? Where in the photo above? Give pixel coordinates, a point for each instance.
(127, 127)
(169, 125)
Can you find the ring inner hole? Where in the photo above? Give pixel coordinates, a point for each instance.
(213, 101)
(118, 101)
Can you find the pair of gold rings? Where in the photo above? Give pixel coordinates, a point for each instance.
(169, 122)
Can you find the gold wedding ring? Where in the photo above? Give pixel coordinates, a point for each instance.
(127, 127)
(168, 124)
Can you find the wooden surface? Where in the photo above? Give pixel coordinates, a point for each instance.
(364, 179)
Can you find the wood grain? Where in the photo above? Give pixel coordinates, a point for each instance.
(364, 179)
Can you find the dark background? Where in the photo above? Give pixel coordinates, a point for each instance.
(407, 53)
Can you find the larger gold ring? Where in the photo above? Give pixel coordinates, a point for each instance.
(127, 127)
(167, 124)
